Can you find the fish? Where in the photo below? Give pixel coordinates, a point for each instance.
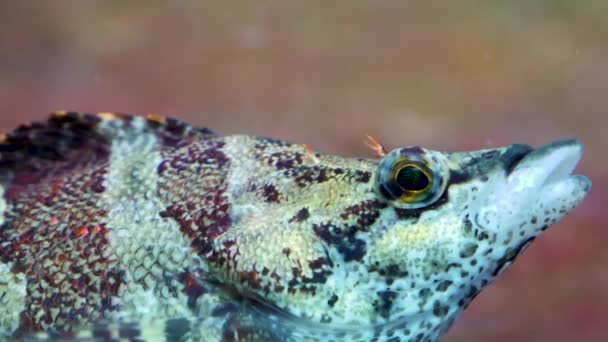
(118, 226)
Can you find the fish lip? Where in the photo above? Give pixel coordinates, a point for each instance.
(550, 163)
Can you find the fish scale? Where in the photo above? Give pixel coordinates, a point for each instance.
(117, 226)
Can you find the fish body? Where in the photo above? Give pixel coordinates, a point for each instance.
(120, 226)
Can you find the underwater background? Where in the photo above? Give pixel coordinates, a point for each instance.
(453, 75)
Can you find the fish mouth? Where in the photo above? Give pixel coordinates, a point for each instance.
(549, 169)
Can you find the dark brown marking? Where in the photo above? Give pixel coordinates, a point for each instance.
(513, 155)
(366, 212)
(359, 176)
(199, 204)
(468, 250)
(444, 285)
(440, 310)
(384, 303)
(192, 288)
(301, 216)
(351, 248)
(332, 300)
(270, 193)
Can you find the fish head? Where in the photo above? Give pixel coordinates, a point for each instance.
(394, 247)
(462, 218)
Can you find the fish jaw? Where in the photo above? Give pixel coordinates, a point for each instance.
(537, 190)
(540, 190)
(548, 172)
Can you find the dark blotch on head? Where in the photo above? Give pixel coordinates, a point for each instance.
(384, 303)
(320, 271)
(390, 272)
(482, 236)
(300, 216)
(270, 193)
(360, 176)
(460, 176)
(424, 295)
(285, 160)
(452, 265)
(513, 155)
(443, 286)
(468, 250)
(332, 300)
(351, 248)
(440, 310)
(394, 270)
(366, 212)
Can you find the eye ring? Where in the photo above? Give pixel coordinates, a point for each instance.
(411, 177)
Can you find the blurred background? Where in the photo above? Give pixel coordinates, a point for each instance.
(455, 75)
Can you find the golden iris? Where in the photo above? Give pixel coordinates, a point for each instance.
(411, 178)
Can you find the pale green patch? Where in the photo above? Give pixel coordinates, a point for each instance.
(12, 299)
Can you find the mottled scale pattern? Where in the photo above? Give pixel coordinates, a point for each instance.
(116, 226)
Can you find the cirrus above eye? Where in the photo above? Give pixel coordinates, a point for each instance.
(410, 179)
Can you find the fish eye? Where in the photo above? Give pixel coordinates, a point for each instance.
(410, 179)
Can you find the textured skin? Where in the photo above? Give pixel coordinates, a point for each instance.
(148, 228)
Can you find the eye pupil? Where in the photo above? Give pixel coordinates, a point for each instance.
(412, 178)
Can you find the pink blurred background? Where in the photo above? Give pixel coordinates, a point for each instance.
(457, 75)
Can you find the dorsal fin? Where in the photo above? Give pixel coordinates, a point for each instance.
(69, 137)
